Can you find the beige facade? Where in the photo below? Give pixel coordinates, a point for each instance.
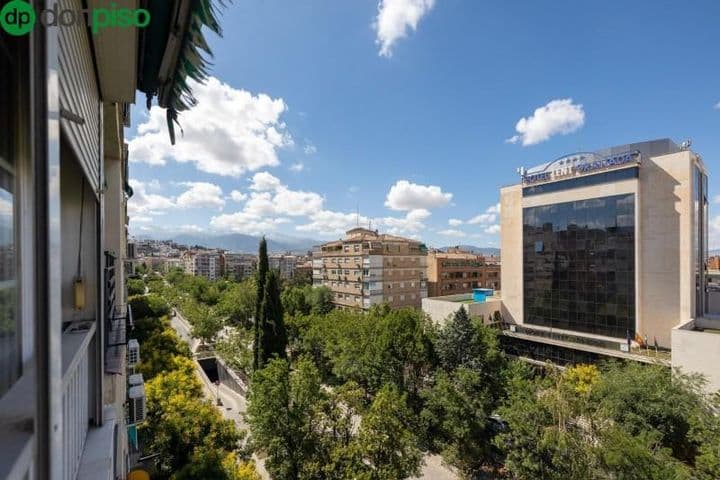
(665, 226)
(455, 271)
(240, 266)
(368, 268)
(204, 263)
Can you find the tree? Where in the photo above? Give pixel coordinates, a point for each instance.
(385, 441)
(135, 286)
(456, 416)
(260, 284)
(151, 305)
(294, 301)
(179, 426)
(320, 299)
(283, 410)
(273, 337)
(237, 303)
(205, 327)
(466, 342)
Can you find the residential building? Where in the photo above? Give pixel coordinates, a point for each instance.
(204, 263)
(604, 254)
(66, 409)
(283, 263)
(240, 266)
(368, 268)
(714, 263)
(456, 271)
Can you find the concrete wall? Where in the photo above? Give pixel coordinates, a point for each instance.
(698, 352)
(511, 246)
(441, 308)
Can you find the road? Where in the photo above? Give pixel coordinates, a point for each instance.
(234, 407)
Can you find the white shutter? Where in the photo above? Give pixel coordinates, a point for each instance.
(79, 95)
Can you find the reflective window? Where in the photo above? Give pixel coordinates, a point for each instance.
(9, 322)
(579, 265)
(584, 181)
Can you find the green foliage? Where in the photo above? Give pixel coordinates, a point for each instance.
(237, 303)
(456, 417)
(135, 286)
(148, 306)
(283, 410)
(385, 442)
(626, 421)
(262, 270)
(206, 326)
(236, 350)
(273, 336)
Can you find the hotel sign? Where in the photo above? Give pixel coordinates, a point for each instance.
(579, 164)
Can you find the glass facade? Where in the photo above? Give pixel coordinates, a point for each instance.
(584, 181)
(579, 265)
(700, 239)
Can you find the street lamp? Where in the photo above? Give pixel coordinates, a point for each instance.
(217, 393)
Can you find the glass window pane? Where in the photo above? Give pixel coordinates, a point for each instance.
(584, 274)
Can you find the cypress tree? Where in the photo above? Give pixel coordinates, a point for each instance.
(273, 339)
(262, 271)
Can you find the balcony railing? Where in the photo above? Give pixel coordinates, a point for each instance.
(77, 344)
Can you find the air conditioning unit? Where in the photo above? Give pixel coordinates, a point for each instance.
(136, 404)
(133, 353)
(135, 379)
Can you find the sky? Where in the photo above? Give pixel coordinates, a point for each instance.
(409, 115)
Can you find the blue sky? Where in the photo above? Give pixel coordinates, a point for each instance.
(404, 109)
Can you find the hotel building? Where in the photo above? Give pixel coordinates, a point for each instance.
(604, 247)
(368, 268)
(455, 271)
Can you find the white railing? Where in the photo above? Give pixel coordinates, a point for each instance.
(75, 397)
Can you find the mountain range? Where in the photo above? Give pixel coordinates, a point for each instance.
(238, 242)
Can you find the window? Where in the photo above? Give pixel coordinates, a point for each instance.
(584, 181)
(583, 278)
(11, 60)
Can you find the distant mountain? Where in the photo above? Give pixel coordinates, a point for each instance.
(474, 249)
(238, 242)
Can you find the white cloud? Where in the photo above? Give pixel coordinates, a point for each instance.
(410, 196)
(264, 181)
(229, 132)
(492, 229)
(452, 233)
(327, 223)
(483, 218)
(201, 195)
(395, 19)
(238, 196)
(557, 117)
(310, 149)
(717, 199)
(297, 167)
(247, 223)
(490, 216)
(143, 203)
(412, 223)
(454, 222)
(717, 106)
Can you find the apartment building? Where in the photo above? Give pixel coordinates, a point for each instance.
(66, 409)
(456, 271)
(240, 266)
(283, 263)
(368, 268)
(204, 263)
